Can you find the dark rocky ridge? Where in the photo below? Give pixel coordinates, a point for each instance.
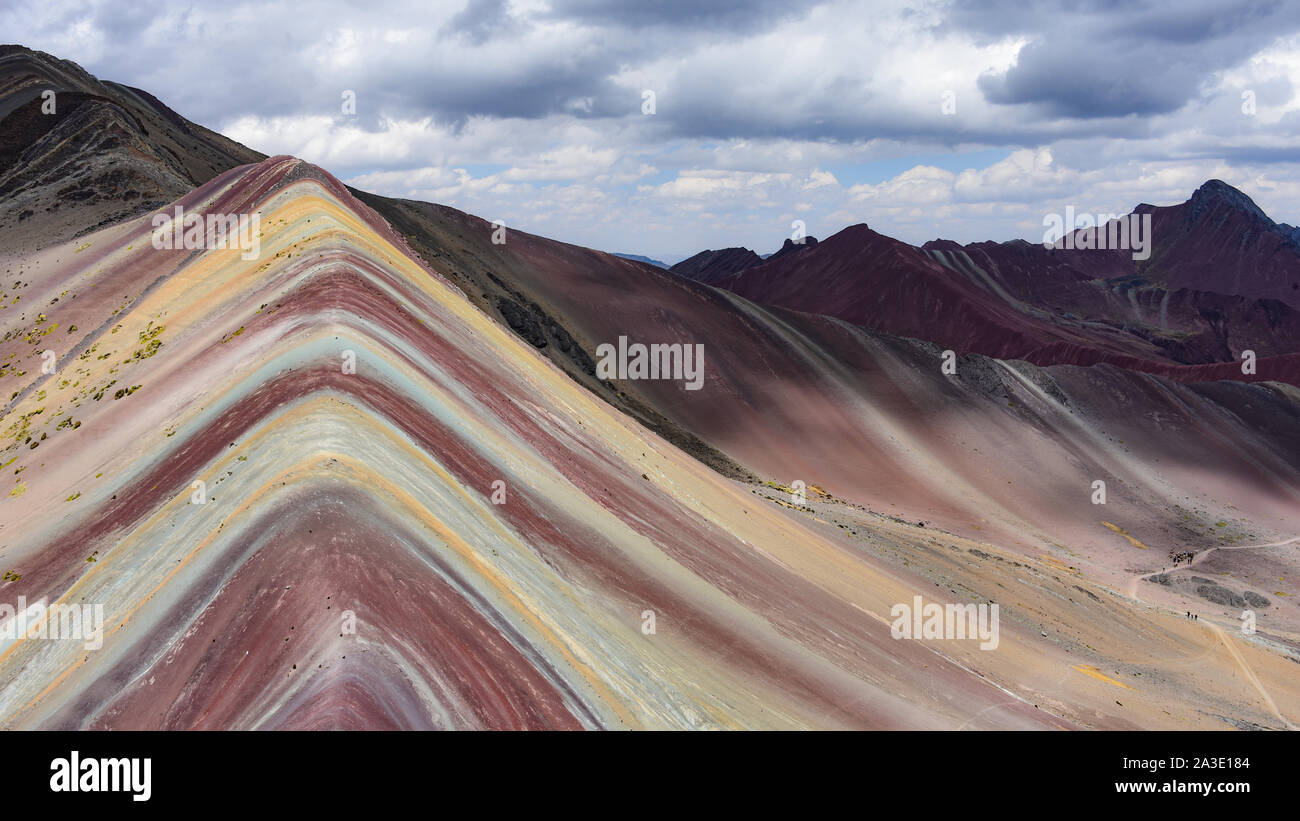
(113, 151)
(711, 266)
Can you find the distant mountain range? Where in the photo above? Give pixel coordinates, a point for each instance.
(712, 267)
(1221, 279)
(638, 258)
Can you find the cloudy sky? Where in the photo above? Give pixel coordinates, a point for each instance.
(966, 120)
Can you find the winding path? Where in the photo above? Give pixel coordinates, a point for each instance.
(1219, 632)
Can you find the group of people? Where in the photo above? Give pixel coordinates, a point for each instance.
(1179, 558)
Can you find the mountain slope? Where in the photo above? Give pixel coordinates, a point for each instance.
(1219, 241)
(110, 150)
(1019, 301)
(639, 258)
(711, 266)
(1181, 326)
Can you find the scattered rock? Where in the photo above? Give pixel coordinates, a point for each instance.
(1220, 595)
(1254, 599)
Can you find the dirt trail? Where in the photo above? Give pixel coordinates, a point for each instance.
(1131, 591)
(1250, 674)
(1219, 632)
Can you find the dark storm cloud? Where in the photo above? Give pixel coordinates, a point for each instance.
(1088, 69)
(722, 15)
(580, 84)
(1085, 82)
(483, 20)
(579, 87)
(844, 111)
(124, 22)
(1114, 59)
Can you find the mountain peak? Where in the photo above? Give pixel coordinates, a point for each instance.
(711, 266)
(792, 247)
(1218, 192)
